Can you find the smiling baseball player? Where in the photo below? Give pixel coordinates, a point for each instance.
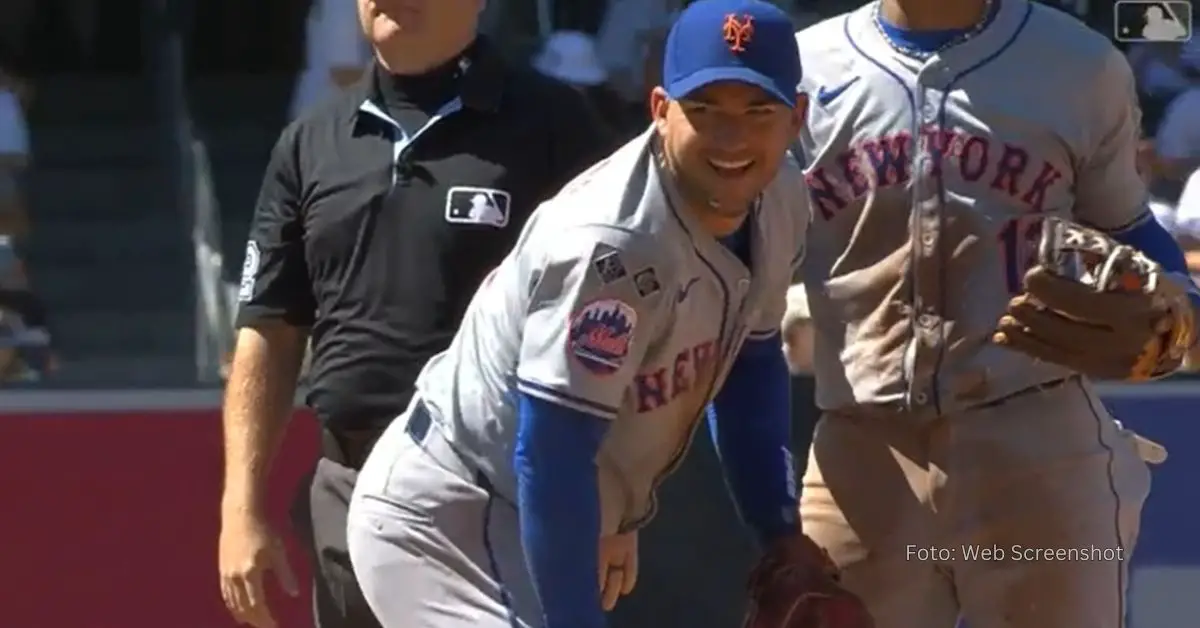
(511, 491)
(980, 248)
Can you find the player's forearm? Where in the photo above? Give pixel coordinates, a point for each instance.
(559, 503)
(258, 404)
(750, 421)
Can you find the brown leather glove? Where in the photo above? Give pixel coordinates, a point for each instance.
(795, 585)
(1098, 307)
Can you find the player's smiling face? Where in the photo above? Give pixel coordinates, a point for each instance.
(725, 141)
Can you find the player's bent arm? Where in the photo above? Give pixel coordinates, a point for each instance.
(750, 423)
(1110, 193)
(587, 329)
(258, 405)
(558, 500)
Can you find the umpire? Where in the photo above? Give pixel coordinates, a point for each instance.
(380, 213)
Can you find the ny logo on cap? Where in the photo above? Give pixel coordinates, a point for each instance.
(737, 32)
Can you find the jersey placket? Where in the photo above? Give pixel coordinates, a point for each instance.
(926, 240)
(734, 283)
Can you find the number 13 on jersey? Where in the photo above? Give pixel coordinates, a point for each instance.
(1018, 241)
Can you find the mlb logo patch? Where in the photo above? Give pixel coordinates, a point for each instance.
(478, 206)
(600, 334)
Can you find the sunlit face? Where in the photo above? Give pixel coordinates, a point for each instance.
(415, 24)
(725, 142)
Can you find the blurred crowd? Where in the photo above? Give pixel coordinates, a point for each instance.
(1168, 80)
(24, 336)
(609, 52)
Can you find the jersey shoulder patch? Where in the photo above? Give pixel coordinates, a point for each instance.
(600, 334)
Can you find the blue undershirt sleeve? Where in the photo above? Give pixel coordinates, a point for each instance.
(559, 504)
(750, 424)
(1151, 238)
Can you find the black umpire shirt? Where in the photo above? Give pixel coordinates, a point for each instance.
(382, 210)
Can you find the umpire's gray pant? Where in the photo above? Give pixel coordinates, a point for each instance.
(431, 545)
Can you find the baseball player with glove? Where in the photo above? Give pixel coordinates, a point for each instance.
(644, 296)
(980, 251)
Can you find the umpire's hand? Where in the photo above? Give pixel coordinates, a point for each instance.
(248, 548)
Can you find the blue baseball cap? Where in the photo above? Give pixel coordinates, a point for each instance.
(749, 41)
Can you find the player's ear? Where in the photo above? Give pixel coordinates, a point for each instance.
(659, 103)
(799, 113)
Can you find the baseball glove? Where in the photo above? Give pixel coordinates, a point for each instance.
(795, 585)
(1098, 307)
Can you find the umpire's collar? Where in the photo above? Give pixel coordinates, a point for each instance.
(481, 86)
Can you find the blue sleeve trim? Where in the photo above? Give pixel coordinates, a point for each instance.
(574, 402)
(750, 423)
(558, 500)
(1141, 219)
(1151, 238)
(1156, 242)
(764, 340)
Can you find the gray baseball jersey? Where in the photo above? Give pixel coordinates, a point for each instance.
(614, 302)
(928, 181)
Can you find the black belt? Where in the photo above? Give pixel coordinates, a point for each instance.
(349, 448)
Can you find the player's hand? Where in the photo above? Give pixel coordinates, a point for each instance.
(618, 567)
(248, 549)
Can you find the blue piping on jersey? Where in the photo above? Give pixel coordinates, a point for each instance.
(1151, 238)
(941, 183)
(914, 128)
(493, 564)
(556, 396)
(678, 455)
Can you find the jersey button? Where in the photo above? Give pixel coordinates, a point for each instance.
(921, 399)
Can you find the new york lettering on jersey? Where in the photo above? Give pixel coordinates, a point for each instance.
(930, 177)
(627, 312)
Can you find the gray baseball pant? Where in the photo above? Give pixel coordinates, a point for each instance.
(431, 544)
